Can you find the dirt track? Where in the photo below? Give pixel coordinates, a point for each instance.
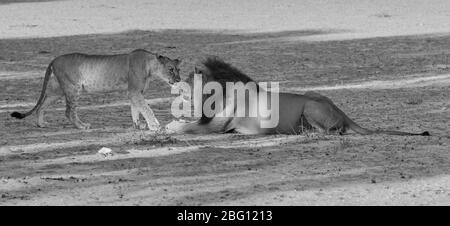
(60, 165)
(396, 82)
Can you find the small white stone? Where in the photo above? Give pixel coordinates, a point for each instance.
(105, 151)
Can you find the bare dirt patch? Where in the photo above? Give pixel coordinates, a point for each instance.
(60, 165)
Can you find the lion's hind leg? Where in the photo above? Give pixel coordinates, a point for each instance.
(304, 125)
(48, 100)
(54, 93)
(323, 115)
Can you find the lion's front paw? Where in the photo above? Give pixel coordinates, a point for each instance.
(83, 126)
(154, 129)
(175, 126)
(140, 125)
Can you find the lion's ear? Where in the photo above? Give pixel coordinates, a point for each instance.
(160, 58)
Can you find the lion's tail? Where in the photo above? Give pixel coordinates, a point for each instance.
(358, 129)
(41, 98)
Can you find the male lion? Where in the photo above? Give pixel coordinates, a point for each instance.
(297, 113)
(77, 72)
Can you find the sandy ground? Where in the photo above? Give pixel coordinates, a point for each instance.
(393, 82)
(352, 18)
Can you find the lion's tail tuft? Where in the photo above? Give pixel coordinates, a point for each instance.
(41, 98)
(18, 115)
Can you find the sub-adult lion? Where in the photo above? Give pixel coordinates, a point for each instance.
(297, 113)
(77, 72)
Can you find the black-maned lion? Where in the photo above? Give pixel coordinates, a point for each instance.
(297, 113)
(77, 72)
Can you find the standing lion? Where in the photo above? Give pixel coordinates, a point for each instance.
(77, 72)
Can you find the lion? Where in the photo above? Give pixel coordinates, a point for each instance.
(297, 113)
(77, 72)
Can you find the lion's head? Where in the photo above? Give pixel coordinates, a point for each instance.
(170, 71)
(213, 69)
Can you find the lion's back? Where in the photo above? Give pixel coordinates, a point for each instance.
(93, 72)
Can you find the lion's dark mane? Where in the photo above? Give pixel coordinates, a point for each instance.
(222, 72)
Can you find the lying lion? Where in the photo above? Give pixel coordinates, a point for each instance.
(297, 113)
(76, 72)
